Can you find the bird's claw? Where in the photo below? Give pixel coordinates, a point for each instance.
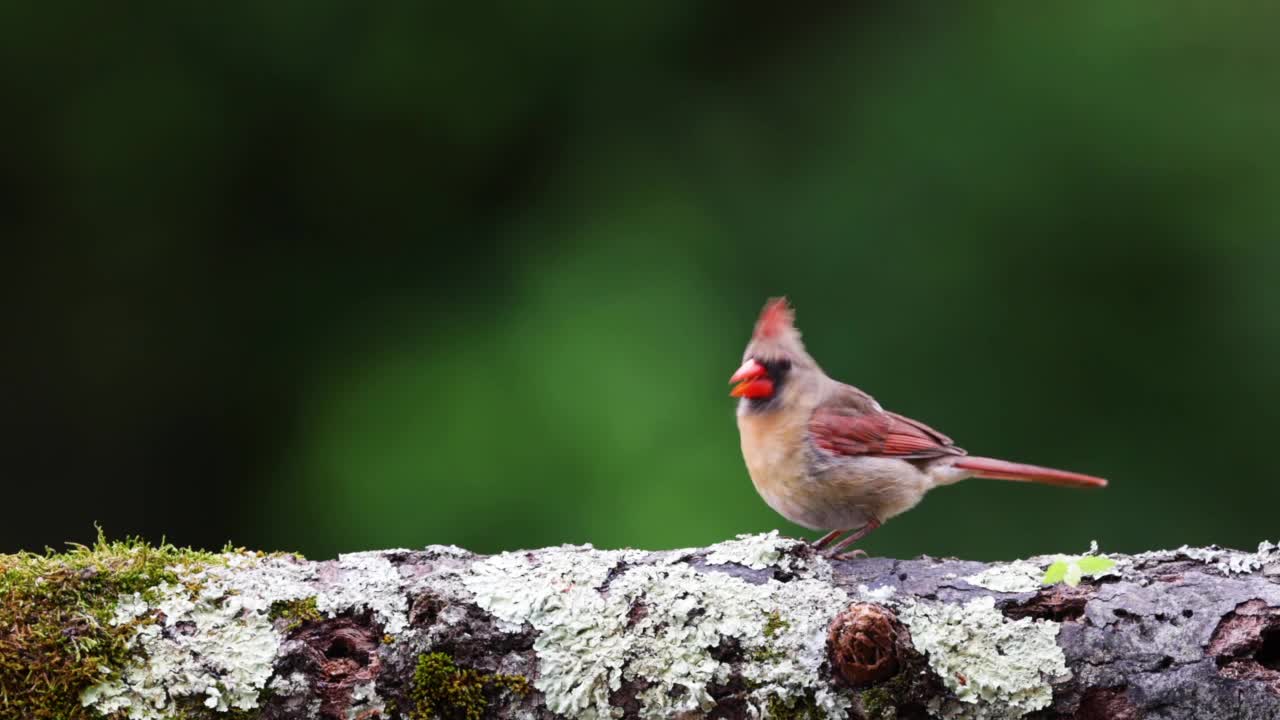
(852, 554)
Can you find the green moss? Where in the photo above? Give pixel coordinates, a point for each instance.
(443, 690)
(877, 703)
(881, 702)
(56, 635)
(774, 624)
(296, 612)
(764, 655)
(193, 708)
(802, 707)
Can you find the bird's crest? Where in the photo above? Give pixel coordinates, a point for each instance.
(776, 318)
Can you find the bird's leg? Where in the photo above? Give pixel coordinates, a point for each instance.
(825, 540)
(855, 536)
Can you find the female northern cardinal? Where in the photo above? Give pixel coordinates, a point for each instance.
(825, 455)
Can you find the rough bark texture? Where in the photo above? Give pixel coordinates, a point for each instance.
(755, 627)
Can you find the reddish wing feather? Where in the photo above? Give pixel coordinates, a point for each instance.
(878, 434)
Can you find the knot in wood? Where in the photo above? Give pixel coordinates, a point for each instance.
(863, 644)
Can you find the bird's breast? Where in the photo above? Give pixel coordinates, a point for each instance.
(776, 452)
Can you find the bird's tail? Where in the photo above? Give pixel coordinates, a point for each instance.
(1005, 470)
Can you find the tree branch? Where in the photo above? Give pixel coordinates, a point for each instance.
(755, 627)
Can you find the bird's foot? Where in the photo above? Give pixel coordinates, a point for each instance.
(852, 554)
(835, 551)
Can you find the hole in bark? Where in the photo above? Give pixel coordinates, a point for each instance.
(1246, 644)
(1125, 616)
(1059, 603)
(344, 647)
(1188, 614)
(1165, 663)
(335, 655)
(1268, 655)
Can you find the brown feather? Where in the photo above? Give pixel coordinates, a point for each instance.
(877, 434)
(1004, 470)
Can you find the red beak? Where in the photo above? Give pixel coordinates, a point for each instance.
(753, 381)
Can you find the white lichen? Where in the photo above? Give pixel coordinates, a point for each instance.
(756, 551)
(997, 668)
(213, 639)
(1226, 561)
(365, 702)
(880, 595)
(658, 624)
(129, 608)
(557, 596)
(208, 647)
(1229, 562)
(367, 581)
(788, 658)
(1014, 577)
(448, 551)
(294, 684)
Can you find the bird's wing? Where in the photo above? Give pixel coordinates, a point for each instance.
(848, 429)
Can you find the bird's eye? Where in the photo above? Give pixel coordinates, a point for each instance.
(776, 368)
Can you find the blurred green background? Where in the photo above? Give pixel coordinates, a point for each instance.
(328, 277)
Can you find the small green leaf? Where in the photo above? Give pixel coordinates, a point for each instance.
(1096, 564)
(1073, 574)
(1072, 569)
(1055, 573)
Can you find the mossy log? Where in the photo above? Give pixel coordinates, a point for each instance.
(757, 627)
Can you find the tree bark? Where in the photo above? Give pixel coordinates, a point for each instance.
(756, 627)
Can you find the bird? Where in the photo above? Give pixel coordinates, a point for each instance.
(827, 456)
